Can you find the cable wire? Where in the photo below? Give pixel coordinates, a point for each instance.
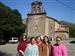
(65, 5)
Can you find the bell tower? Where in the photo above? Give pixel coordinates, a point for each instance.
(37, 7)
(36, 20)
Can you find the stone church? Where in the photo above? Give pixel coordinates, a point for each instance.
(39, 24)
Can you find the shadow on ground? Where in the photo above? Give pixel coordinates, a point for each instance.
(4, 54)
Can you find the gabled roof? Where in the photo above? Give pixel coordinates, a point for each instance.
(53, 19)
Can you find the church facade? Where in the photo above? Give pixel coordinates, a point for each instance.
(39, 24)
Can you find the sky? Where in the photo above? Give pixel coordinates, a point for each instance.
(57, 9)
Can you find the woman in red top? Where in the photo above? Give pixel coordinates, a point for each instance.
(22, 45)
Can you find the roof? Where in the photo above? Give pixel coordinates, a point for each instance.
(61, 30)
(53, 19)
(37, 2)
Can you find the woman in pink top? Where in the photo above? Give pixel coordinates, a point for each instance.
(59, 48)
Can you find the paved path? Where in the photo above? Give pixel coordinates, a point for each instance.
(8, 50)
(11, 49)
(70, 48)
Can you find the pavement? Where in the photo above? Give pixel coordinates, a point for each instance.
(11, 49)
(8, 50)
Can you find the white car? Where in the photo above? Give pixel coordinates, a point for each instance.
(13, 40)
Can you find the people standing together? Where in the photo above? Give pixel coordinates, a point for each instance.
(41, 47)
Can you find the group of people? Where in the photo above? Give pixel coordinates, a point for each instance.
(41, 47)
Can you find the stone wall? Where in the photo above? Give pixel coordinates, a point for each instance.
(35, 25)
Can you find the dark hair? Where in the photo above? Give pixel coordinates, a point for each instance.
(22, 37)
(59, 37)
(47, 41)
(32, 38)
(38, 37)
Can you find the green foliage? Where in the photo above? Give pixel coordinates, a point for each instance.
(10, 22)
(72, 30)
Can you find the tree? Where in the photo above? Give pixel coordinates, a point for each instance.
(10, 22)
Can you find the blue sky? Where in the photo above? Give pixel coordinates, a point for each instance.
(58, 9)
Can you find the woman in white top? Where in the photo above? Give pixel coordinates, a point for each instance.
(32, 48)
